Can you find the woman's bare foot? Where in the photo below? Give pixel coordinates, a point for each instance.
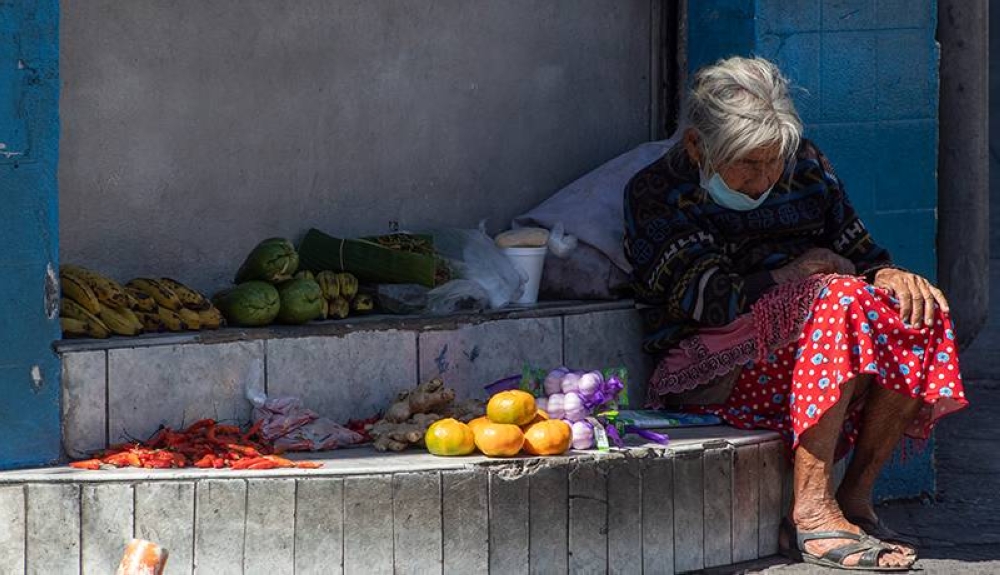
(828, 517)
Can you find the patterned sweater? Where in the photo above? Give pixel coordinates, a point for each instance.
(697, 264)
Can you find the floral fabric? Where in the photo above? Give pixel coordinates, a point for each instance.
(852, 329)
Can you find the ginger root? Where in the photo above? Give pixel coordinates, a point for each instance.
(390, 436)
(406, 421)
(426, 398)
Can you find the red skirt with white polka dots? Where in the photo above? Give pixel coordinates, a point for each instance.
(853, 329)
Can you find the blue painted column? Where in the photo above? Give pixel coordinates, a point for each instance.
(29, 302)
(866, 76)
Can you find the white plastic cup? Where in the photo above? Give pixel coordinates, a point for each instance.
(530, 261)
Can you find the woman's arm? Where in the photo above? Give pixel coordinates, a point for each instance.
(678, 264)
(814, 261)
(917, 296)
(848, 236)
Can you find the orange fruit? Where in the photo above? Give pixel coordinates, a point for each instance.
(449, 437)
(540, 415)
(477, 422)
(499, 439)
(514, 406)
(548, 437)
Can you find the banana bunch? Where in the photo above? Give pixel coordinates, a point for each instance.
(93, 305)
(72, 327)
(77, 321)
(91, 290)
(340, 290)
(165, 304)
(120, 320)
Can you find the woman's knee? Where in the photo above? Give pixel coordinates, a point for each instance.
(847, 286)
(847, 297)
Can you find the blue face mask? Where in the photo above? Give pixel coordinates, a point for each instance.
(729, 198)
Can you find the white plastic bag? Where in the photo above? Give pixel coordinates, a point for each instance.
(457, 296)
(560, 243)
(472, 255)
(254, 386)
(289, 425)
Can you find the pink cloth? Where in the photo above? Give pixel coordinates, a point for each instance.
(775, 320)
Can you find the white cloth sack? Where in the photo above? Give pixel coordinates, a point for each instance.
(592, 209)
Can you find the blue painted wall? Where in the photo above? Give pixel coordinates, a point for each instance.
(29, 137)
(867, 78)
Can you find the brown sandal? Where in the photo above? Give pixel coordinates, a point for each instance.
(871, 550)
(883, 532)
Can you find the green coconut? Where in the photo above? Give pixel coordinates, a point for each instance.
(272, 260)
(301, 301)
(251, 303)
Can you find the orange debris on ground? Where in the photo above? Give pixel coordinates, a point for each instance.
(203, 444)
(143, 558)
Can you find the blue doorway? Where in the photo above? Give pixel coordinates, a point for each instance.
(29, 297)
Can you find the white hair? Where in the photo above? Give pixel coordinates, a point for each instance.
(739, 105)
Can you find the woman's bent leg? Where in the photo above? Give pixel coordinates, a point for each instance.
(886, 415)
(815, 508)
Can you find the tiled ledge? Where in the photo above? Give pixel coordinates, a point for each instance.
(122, 389)
(711, 498)
(374, 322)
(365, 460)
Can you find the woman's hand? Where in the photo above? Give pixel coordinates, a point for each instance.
(814, 261)
(917, 297)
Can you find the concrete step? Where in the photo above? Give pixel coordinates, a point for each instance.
(712, 497)
(124, 388)
(119, 389)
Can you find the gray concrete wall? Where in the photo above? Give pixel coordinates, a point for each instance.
(192, 129)
(982, 359)
(963, 163)
(995, 134)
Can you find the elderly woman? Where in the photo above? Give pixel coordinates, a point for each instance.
(752, 268)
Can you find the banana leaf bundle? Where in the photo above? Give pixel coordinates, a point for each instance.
(417, 244)
(405, 242)
(369, 259)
